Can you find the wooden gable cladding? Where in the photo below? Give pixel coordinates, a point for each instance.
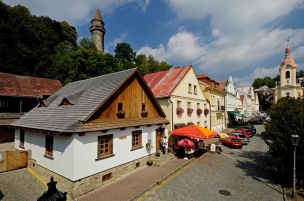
(132, 95)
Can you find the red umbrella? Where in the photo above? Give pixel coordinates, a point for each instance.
(185, 142)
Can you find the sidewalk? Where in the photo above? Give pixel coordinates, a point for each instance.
(135, 184)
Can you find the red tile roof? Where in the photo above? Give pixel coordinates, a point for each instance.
(26, 86)
(223, 84)
(164, 82)
(242, 98)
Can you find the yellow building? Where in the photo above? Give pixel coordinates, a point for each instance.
(216, 98)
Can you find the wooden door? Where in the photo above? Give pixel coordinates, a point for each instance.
(157, 140)
(12, 160)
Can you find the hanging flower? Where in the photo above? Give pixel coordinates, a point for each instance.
(179, 110)
(206, 111)
(144, 114)
(199, 111)
(120, 114)
(189, 110)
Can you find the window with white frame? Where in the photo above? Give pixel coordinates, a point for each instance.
(190, 88)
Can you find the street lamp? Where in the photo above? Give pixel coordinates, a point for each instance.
(295, 141)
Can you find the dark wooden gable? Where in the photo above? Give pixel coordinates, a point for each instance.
(132, 97)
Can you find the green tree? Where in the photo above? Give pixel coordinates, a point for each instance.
(125, 56)
(286, 119)
(259, 82)
(87, 44)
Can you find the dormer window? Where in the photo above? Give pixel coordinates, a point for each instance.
(65, 102)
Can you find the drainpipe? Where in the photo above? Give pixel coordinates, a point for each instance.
(171, 112)
(20, 106)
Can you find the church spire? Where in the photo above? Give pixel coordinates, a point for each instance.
(287, 50)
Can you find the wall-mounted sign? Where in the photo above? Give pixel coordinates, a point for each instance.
(122, 137)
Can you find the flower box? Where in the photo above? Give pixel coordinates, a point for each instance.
(120, 114)
(179, 110)
(189, 110)
(199, 111)
(206, 111)
(144, 114)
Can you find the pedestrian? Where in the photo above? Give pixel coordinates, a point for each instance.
(162, 143)
(165, 144)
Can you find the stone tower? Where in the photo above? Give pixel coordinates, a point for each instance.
(98, 31)
(288, 85)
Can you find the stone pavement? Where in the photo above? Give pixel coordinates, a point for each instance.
(135, 184)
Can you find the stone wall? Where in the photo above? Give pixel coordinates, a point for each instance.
(87, 184)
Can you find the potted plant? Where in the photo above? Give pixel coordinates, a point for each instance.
(199, 111)
(189, 110)
(179, 110)
(144, 114)
(158, 152)
(120, 114)
(149, 162)
(206, 111)
(149, 145)
(169, 149)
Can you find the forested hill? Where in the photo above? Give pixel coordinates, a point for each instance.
(42, 47)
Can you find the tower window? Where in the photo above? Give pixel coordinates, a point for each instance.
(287, 74)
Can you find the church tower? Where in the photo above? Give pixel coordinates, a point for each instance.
(98, 31)
(288, 85)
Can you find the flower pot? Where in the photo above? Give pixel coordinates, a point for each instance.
(149, 163)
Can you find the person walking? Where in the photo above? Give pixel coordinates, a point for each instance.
(165, 144)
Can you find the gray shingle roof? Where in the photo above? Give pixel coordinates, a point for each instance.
(85, 96)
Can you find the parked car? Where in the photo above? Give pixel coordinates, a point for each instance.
(255, 121)
(231, 141)
(241, 137)
(251, 128)
(245, 132)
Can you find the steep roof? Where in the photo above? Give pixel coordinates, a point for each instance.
(26, 86)
(97, 15)
(222, 84)
(85, 96)
(163, 83)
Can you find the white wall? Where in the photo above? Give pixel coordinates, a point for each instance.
(74, 157)
(63, 155)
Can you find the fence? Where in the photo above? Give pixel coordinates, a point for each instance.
(12, 160)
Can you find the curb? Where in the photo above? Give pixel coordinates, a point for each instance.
(150, 187)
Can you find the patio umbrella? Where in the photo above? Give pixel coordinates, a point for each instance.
(194, 131)
(185, 142)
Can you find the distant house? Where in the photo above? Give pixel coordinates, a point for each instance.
(20, 94)
(92, 131)
(179, 93)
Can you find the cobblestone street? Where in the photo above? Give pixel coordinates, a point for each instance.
(247, 174)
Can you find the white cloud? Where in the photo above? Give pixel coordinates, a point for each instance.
(116, 41)
(259, 72)
(76, 12)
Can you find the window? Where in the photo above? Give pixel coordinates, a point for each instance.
(49, 139)
(105, 145)
(190, 88)
(21, 138)
(188, 105)
(195, 89)
(198, 105)
(3, 103)
(119, 107)
(143, 107)
(106, 177)
(287, 75)
(198, 123)
(136, 139)
(179, 104)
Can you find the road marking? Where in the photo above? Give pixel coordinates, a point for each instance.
(169, 178)
(37, 176)
(229, 156)
(235, 150)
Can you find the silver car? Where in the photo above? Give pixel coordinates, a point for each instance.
(242, 137)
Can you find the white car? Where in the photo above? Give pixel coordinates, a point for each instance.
(241, 137)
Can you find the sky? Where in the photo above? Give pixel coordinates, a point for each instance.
(219, 38)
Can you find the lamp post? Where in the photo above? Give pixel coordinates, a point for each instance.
(295, 141)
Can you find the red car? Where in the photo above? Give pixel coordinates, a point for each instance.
(231, 141)
(245, 132)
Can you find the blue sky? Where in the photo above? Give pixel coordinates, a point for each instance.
(219, 38)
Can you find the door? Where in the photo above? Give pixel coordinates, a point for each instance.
(157, 140)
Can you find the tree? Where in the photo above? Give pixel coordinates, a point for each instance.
(259, 82)
(87, 44)
(286, 119)
(125, 56)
